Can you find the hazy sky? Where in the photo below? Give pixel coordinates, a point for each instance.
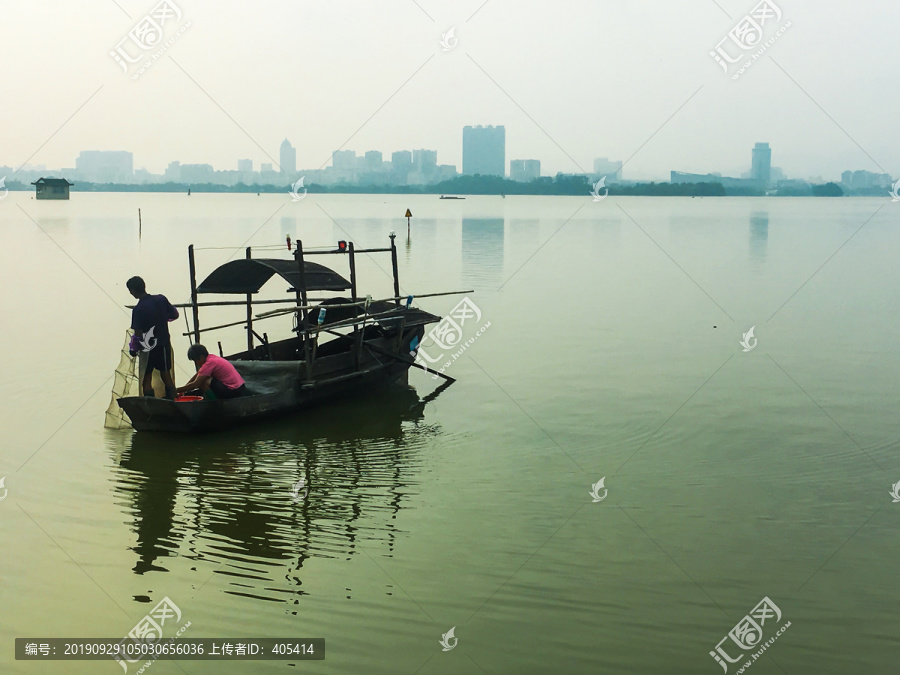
(571, 80)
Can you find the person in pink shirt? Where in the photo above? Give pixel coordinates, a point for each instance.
(215, 376)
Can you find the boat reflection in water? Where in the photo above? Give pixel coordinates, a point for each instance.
(258, 500)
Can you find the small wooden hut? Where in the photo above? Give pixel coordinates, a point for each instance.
(52, 188)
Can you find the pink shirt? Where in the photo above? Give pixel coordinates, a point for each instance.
(220, 369)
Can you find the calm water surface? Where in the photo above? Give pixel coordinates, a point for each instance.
(613, 352)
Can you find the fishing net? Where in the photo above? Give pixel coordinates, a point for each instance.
(127, 382)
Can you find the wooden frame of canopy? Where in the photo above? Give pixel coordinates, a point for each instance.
(305, 330)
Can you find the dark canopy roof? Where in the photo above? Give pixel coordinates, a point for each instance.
(52, 181)
(248, 276)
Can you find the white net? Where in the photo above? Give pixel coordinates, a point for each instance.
(127, 382)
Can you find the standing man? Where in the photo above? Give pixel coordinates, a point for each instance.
(150, 321)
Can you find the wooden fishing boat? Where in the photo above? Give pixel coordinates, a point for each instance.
(372, 342)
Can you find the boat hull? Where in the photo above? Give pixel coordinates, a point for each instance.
(278, 391)
(159, 414)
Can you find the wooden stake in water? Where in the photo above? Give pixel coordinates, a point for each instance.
(140, 225)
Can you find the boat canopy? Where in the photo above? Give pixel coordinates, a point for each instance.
(249, 275)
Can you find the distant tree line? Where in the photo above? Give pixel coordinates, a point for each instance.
(827, 190)
(560, 185)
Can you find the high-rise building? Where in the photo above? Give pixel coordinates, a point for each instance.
(197, 173)
(424, 168)
(98, 166)
(425, 160)
(245, 165)
(524, 170)
(604, 167)
(401, 166)
(373, 160)
(484, 151)
(446, 172)
(761, 167)
(401, 158)
(265, 168)
(173, 173)
(866, 179)
(344, 159)
(288, 157)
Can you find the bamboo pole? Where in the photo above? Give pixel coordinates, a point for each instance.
(241, 303)
(410, 363)
(283, 312)
(343, 324)
(352, 254)
(360, 303)
(394, 266)
(301, 297)
(350, 322)
(194, 306)
(243, 322)
(228, 303)
(338, 252)
(357, 335)
(249, 315)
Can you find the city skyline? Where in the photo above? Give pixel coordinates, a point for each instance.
(407, 91)
(484, 145)
(514, 169)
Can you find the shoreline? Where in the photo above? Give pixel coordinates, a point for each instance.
(638, 190)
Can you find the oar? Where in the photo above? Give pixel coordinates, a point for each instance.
(411, 363)
(437, 392)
